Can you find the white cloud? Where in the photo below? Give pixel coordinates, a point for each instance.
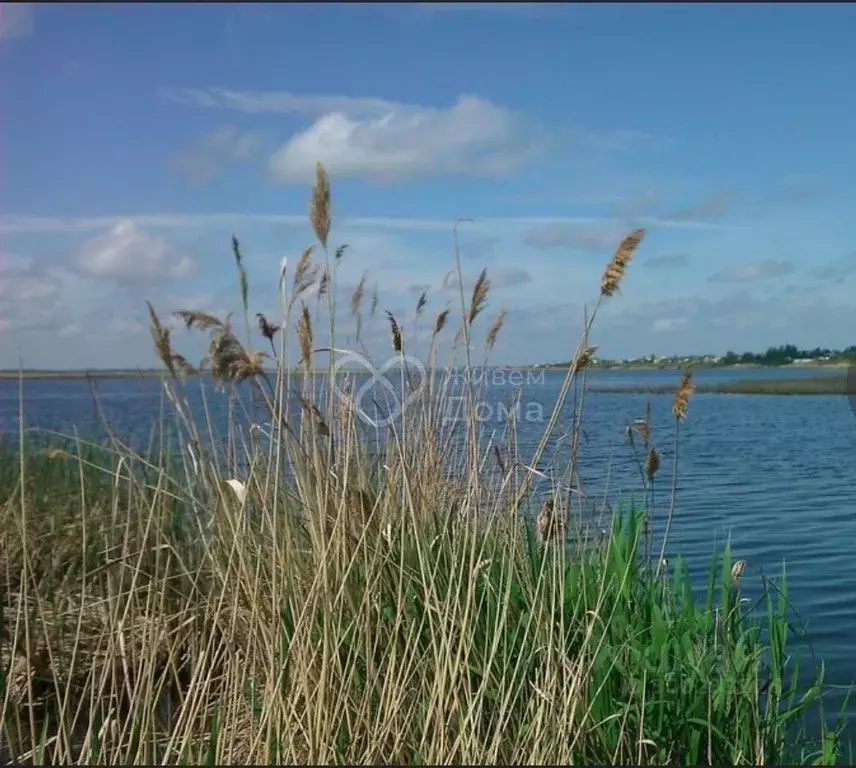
(16, 20)
(128, 254)
(753, 270)
(217, 150)
(473, 136)
(381, 139)
(11, 264)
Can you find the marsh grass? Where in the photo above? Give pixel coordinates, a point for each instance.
(318, 590)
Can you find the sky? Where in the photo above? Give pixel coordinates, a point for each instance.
(136, 139)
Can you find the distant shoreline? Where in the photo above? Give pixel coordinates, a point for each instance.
(59, 375)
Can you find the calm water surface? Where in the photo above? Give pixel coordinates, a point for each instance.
(777, 474)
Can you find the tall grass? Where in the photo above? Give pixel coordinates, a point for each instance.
(308, 593)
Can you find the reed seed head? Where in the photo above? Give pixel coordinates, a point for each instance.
(420, 305)
(652, 464)
(395, 330)
(493, 330)
(375, 300)
(737, 571)
(340, 251)
(268, 329)
(320, 214)
(242, 272)
(230, 361)
(480, 292)
(202, 320)
(585, 359)
(323, 284)
(440, 322)
(551, 527)
(683, 395)
(615, 269)
(358, 294)
(304, 335)
(304, 275)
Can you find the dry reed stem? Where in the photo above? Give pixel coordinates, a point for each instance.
(615, 269)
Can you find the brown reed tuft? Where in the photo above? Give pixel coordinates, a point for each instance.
(230, 361)
(320, 214)
(397, 341)
(268, 329)
(420, 305)
(737, 571)
(440, 322)
(585, 359)
(375, 300)
(304, 335)
(652, 464)
(323, 284)
(683, 395)
(551, 527)
(358, 294)
(615, 269)
(304, 275)
(242, 273)
(175, 363)
(493, 330)
(202, 320)
(480, 292)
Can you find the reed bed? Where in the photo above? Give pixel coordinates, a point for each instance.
(319, 590)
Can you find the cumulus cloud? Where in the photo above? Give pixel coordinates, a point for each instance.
(751, 271)
(215, 152)
(473, 136)
(128, 254)
(16, 20)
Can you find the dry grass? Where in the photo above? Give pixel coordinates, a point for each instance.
(311, 594)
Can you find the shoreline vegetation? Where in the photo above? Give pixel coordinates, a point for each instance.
(297, 594)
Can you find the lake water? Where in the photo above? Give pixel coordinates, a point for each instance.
(776, 473)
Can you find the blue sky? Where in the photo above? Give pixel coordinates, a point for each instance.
(137, 138)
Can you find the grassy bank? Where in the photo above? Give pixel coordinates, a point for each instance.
(290, 596)
(814, 385)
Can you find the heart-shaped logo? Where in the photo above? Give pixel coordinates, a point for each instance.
(378, 375)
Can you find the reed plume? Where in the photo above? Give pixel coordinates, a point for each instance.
(340, 251)
(615, 269)
(304, 336)
(395, 330)
(493, 331)
(421, 304)
(375, 300)
(358, 294)
(479, 297)
(440, 322)
(551, 527)
(242, 273)
(652, 464)
(584, 360)
(320, 214)
(683, 395)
